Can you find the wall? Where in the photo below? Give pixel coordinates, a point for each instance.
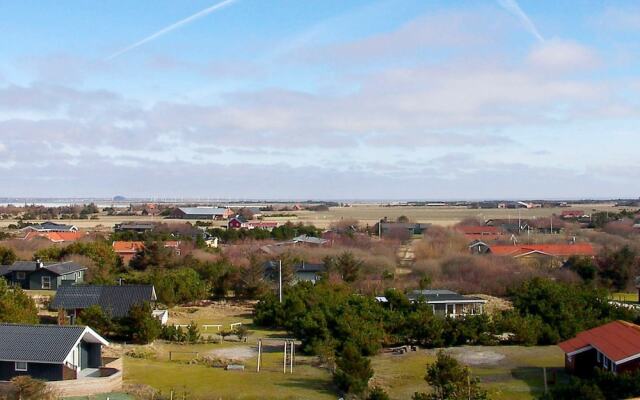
(48, 372)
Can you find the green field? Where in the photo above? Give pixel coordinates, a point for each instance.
(508, 372)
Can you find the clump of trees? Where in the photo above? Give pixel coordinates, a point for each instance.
(600, 385)
(139, 326)
(16, 306)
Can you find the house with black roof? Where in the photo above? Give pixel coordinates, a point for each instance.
(116, 301)
(49, 226)
(447, 303)
(37, 275)
(304, 271)
(49, 352)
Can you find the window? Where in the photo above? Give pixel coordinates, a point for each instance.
(599, 356)
(21, 275)
(21, 366)
(606, 362)
(46, 282)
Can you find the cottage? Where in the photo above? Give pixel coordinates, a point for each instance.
(116, 301)
(385, 228)
(128, 249)
(54, 237)
(49, 352)
(50, 227)
(447, 303)
(216, 213)
(138, 227)
(36, 275)
(612, 347)
(308, 272)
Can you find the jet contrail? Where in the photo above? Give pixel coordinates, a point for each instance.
(513, 7)
(172, 27)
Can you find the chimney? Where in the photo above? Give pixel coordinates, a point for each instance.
(39, 264)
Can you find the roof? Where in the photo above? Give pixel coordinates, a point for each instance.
(123, 246)
(442, 296)
(51, 226)
(617, 340)
(135, 225)
(115, 300)
(203, 210)
(301, 267)
(54, 236)
(479, 230)
(555, 249)
(308, 239)
(42, 343)
(58, 268)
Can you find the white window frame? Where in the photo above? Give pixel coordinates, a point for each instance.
(21, 275)
(42, 280)
(605, 362)
(18, 365)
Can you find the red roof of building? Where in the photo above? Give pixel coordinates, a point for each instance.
(553, 249)
(55, 237)
(122, 246)
(617, 340)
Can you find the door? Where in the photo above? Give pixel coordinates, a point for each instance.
(84, 355)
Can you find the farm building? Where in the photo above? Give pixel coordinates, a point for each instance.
(202, 213)
(612, 347)
(49, 352)
(114, 300)
(36, 275)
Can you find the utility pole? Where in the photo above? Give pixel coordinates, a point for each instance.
(280, 280)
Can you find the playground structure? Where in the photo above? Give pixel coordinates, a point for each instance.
(288, 358)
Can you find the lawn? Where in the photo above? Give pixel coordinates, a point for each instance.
(624, 297)
(508, 372)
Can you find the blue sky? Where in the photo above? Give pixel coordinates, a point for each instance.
(367, 99)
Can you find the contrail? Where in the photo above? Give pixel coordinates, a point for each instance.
(513, 7)
(172, 27)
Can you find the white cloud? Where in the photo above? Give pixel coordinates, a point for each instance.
(563, 56)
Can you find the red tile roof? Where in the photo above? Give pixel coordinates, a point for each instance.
(555, 249)
(55, 237)
(127, 247)
(617, 340)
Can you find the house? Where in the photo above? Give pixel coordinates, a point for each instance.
(555, 250)
(572, 214)
(268, 225)
(308, 272)
(128, 249)
(50, 227)
(49, 352)
(35, 275)
(447, 303)
(509, 225)
(479, 247)
(237, 222)
(309, 240)
(138, 227)
(202, 213)
(384, 228)
(481, 232)
(115, 300)
(612, 347)
(53, 236)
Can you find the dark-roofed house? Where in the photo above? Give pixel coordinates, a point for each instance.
(309, 272)
(49, 352)
(139, 227)
(114, 300)
(612, 347)
(385, 228)
(447, 303)
(202, 213)
(50, 227)
(36, 275)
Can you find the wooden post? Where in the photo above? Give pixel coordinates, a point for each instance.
(284, 359)
(259, 354)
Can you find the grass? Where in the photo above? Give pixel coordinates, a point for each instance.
(624, 297)
(517, 375)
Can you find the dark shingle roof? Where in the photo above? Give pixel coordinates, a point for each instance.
(38, 343)
(440, 295)
(115, 300)
(59, 268)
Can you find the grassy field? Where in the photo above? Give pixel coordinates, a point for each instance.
(508, 372)
(366, 213)
(106, 396)
(628, 297)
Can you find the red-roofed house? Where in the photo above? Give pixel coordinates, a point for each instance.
(55, 237)
(481, 232)
(128, 249)
(613, 347)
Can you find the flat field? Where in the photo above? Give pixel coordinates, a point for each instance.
(365, 213)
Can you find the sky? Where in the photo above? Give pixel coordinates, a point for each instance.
(320, 99)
